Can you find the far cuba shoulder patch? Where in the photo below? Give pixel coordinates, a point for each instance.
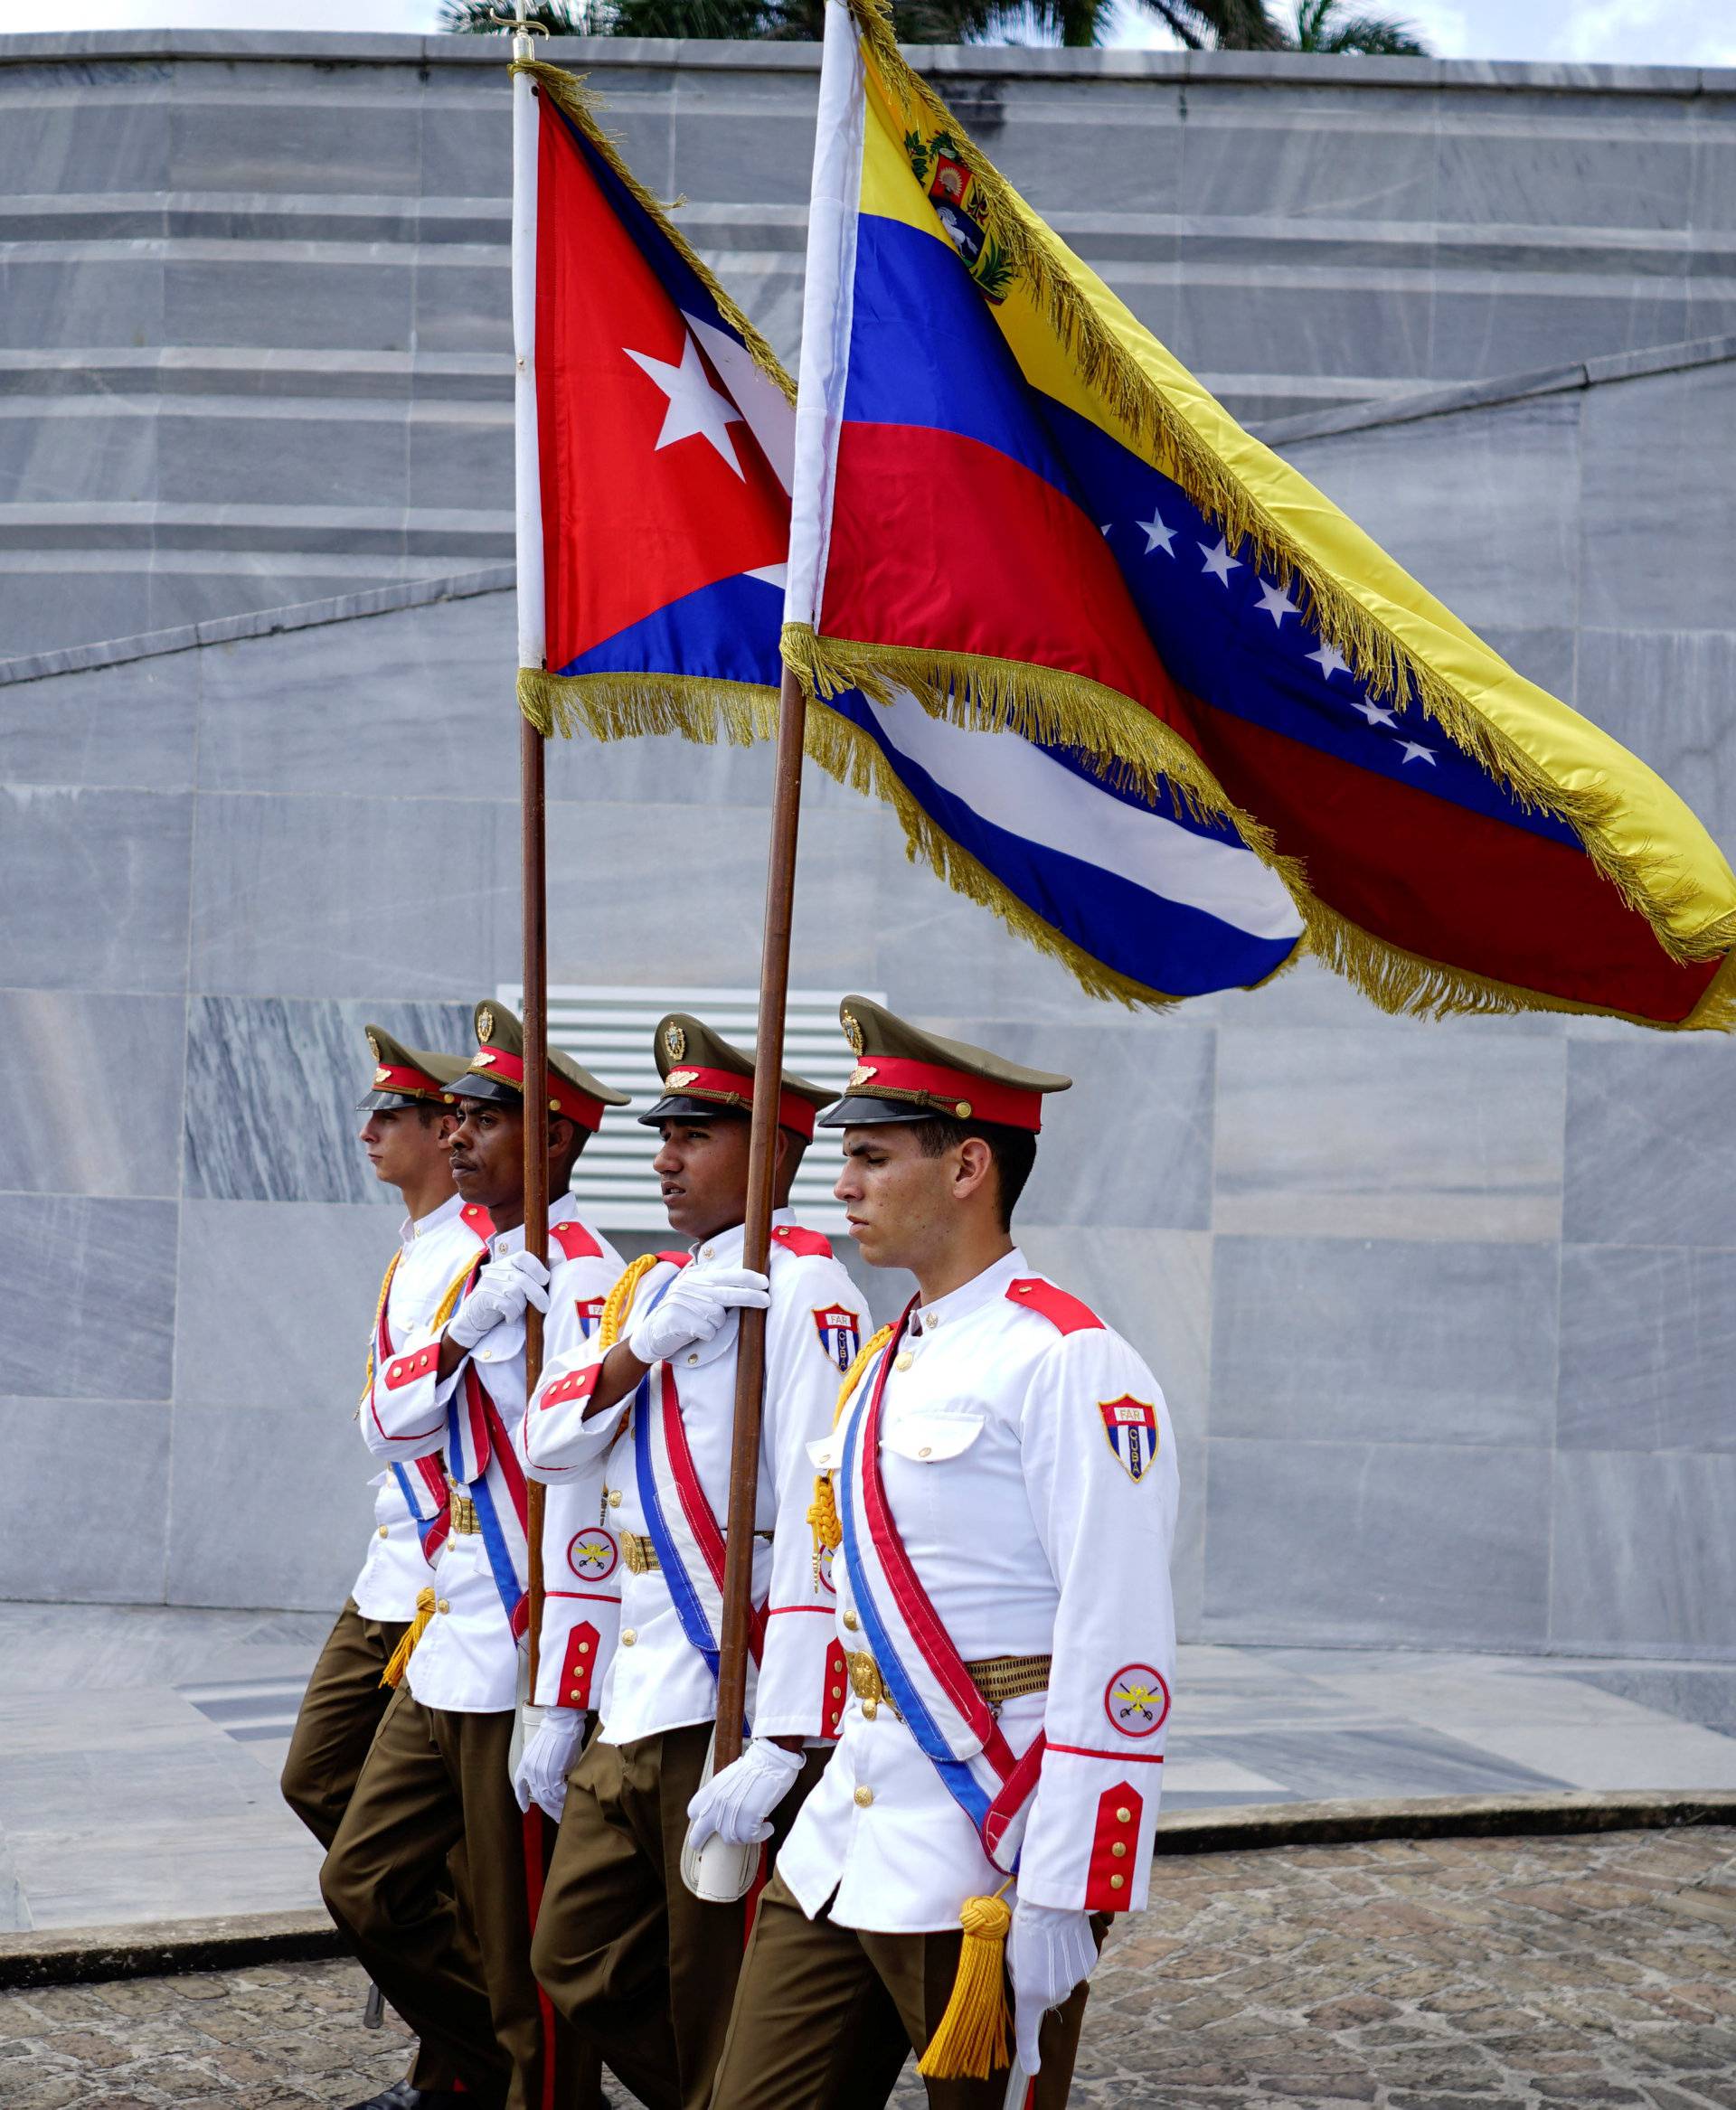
(840, 1331)
(1131, 1426)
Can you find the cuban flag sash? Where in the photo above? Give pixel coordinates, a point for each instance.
(420, 1482)
(954, 1726)
(480, 1458)
(683, 1528)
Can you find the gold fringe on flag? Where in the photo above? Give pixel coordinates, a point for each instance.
(992, 694)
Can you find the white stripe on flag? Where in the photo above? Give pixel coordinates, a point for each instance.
(767, 415)
(1012, 785)
(527, 466)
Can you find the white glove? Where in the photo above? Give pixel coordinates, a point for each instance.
(541, 1774)
(507, 1285)
(693, 1307)
(1048, 1952)
(736, 1804)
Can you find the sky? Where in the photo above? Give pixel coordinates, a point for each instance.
(1661, 32)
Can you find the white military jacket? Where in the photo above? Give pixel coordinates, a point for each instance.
(658, 1679)
(434, 1251)
(1038, 1523)
(466, 1662)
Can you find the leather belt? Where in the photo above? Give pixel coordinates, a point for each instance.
(997, 1678)
(639, 1551)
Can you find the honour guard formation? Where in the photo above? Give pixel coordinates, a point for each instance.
(962, 1643)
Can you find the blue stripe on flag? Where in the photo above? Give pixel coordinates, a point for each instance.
(727, 631)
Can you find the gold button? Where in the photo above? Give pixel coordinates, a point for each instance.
(1124, 1816)
(487, 1355)
(837, 1692)
(904, 1360)
(864, 1795)
(926, 1452)
(1117, 1882)
(385, 1530)
(1120, 1849)
(629, 1636)
(614, 1498)
(871, 1708)
(577, 1694)
(443, 1605)
(692, 1360)
(851, 1621)
(584, 1648)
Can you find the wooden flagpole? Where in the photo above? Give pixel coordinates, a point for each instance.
(756, 1247)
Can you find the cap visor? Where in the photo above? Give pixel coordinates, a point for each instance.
(865, 1113)
(678, 1106)
(474, 1085)
(392, 1102)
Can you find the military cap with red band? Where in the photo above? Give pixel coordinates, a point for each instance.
(704, 1077)
(405, 1076)
(903, 1074)
(497, 1072)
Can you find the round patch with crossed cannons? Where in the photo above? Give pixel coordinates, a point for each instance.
(593, 1554)
(1137, 1701)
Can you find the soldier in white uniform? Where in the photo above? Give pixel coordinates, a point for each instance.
(441, 1769)
(409, 1125)
(622, 1946)
(1001, 1492)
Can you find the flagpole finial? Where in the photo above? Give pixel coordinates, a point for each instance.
(523, 28)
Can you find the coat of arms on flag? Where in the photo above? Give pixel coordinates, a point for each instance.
(840, 1333)
(1131, 1426)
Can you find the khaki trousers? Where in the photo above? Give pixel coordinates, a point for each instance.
(432, 1779)
(624, 1949)
(815, 2000)
(340, 1711)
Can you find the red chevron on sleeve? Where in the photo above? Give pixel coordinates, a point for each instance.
(574, 1240)
(578, 1384)
(806, 1245)
(1114, 1849)
(408, 1368)
(1066, 1313)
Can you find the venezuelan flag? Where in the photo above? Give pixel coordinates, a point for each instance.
(1027, 545)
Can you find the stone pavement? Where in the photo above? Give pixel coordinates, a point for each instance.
(1468, 1974)
(140, 1746)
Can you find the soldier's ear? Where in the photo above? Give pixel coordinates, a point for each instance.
(975, 1167)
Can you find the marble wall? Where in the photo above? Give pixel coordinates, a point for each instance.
(1445, 1313)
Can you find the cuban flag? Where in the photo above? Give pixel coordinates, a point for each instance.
(1129, 679)
(654, 431)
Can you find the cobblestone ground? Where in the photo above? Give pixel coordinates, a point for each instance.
(1470, 1975)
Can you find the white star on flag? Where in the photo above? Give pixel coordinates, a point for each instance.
(1219, 563)
(696, 409)
(1277, 604)
(1330, 661)
(1414, 753)
(1157, 536)
(1373, 711)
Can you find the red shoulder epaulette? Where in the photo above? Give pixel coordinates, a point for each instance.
(806, 1245)
(574, 1240)
(481, 1224)
(676, 1260)
(1065, 1313)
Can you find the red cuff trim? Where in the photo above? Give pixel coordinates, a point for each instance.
(578, 1666)
(408, 1370)
(1114, 1758)
(578, 1384)
(836, 1688)
(1115, 1850)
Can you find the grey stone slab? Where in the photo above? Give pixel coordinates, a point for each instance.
(44, 609)
(1712, 207)
(1349, 1340)
(1642, 1553)
(1046, 148)
(745, 136)
(90, 457)
(1424, 1543)
(54, 142)
(346, 460)
(272, 1086)
(467, 152)
(1547, 657)
(1509, 560)
(116, 1552)
(92, 1289)
(362, 301)
(83, 1656)
(465, 304)
(459, 463)
(1308, 159)
(339, 896)
(1602, 176)
(80, 302)
(1371, 329)
(96, 888)
(364, 141)
(1703, 1693)
(305, 1347)
(104, 1092)
(1486, 327)
(295, 1538)
(1651, 1152)
(1362, 1133)
(1666, 695)
(1650, 447)
(131, 725)
(1406, 1760)
(1648, 1334)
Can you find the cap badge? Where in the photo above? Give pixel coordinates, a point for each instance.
(383, 1075)
(861, 1074)
(373, 1047)
(484, 1023)
(681, 1077)
(674, 1042)
(483, 1059)
(852, 1030)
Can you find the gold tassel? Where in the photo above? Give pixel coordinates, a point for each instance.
(823, 1511)
(394, 1671)
(971, 2039)
(620, 1300)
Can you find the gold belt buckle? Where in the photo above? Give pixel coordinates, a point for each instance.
(866, 1683)
(639, 1551)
